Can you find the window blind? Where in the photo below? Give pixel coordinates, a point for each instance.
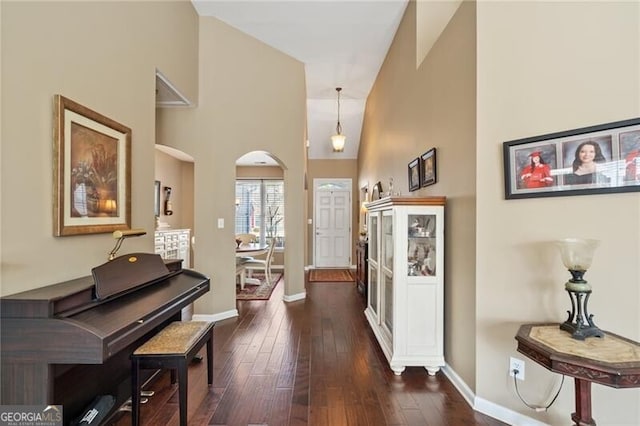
(260, 209)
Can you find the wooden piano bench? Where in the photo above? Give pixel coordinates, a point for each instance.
(173, 347)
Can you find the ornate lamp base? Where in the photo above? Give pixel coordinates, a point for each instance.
(580, 322)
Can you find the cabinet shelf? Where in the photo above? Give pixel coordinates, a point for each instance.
(405, 300)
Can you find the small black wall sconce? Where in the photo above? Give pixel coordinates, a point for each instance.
(168, 208)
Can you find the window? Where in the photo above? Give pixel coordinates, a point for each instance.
(260, 209)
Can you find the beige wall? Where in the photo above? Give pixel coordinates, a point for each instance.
(541, 70)
(259, 172)
(332, 169)
(104, 56)
(252, 98)
(534, 76)
(235, 114)
(178, 175)
(412, 110)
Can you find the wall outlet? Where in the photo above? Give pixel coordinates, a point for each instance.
(516, 364)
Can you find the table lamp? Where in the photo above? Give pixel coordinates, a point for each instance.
(577, 255)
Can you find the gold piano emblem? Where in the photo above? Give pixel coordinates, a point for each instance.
(133, 259)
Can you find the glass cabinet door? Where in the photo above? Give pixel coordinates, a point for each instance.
(373, 262)
(373, 237)
(387, 241)
(421, 252)
(388, 304)
(373, 289)
(386, 277)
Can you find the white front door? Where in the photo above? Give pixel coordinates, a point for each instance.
(332, 219)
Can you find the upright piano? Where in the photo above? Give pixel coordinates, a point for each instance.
(67, 343)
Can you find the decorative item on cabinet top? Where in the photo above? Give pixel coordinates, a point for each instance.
(376, 192)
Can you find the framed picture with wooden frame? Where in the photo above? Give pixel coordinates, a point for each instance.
(413, 170)
(598, 159)
(428, 169)
(92, 171)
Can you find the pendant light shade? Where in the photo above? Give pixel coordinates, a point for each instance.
(338, 142)
(338, 139)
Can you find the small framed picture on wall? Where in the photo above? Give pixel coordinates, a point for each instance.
(429, 175)
(414, 174)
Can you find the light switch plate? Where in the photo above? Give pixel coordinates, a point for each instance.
(220, 223)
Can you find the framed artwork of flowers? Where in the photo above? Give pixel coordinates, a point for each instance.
(92, 171)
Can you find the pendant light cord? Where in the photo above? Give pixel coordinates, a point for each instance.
(338, 126)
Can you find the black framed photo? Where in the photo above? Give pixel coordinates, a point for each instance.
(414, 174)
(428, 168)
(597, 159)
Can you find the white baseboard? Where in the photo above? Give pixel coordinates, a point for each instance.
(295, 297)
(216, 317)
(310, 267)
(459, 384)
(487, 407)
(504, 414)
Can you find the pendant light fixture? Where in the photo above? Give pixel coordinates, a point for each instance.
(338, 139)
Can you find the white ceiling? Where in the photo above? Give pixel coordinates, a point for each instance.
(342, 44)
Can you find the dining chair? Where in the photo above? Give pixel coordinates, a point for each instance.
(252, 264)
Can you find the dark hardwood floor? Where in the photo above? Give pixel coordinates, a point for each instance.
(312, 362)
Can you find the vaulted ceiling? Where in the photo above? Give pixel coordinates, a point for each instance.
(341, 43)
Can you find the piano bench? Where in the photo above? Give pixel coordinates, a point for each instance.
(173, 347)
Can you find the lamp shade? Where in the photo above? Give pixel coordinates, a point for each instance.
(577, 253)
(338, 142)
(110, 206)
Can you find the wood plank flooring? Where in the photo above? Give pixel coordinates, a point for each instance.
(312, 362)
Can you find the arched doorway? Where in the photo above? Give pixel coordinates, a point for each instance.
(259, 202)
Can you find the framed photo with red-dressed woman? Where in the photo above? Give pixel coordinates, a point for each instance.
(591, 160)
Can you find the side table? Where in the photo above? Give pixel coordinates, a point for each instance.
(611, 361)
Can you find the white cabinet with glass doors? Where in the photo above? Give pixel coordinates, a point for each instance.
(406, 280)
